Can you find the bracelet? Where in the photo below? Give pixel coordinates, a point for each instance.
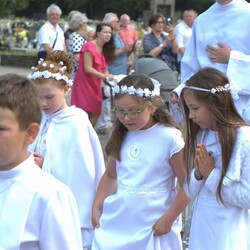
(162, 45)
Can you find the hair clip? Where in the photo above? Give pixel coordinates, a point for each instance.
(33, 68)
(41, 60)
(64, 68)
(225, 88)
(51, 66)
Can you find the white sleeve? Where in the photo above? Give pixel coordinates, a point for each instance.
(44, 37)
(61, 226)
(237, 71)
(189, 62)
(236, 185)
(179, 89)
(194, 186)
(179, 37)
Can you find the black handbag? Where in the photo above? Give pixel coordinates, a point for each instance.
(41, 54)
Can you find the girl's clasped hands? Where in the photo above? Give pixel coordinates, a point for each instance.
(203, 162)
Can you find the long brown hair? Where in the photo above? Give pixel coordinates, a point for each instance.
(108, 49)
(225, 114)
(119, 131)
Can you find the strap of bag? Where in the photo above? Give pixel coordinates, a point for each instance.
(55, 40)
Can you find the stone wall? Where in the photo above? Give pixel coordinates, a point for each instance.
(23, 61)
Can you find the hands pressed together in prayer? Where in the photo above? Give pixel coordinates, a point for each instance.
(203, 162)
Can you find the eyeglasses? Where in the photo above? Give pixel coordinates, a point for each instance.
(116, 21)
(132, 114)
(161, 22)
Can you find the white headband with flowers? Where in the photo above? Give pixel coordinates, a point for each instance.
(47, 74)
(138, 91)
(225, 88)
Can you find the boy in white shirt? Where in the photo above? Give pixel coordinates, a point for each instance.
(36, 210)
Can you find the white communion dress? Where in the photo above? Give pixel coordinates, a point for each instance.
(217, 226)
(146, 188)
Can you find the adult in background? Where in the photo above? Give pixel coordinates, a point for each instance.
(160, 45)
(90, 33)
(68, 31)
(50, 35)
(78, 24)
(129, 35)
(183, 32)
(213, 43)
(119, 66)
(92, 69)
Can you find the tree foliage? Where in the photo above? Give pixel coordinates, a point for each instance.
(10, 6)
(95, 9)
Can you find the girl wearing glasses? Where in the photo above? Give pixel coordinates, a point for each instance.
(132, 207)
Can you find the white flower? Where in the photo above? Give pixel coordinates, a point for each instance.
(140, 92)
(147, 92)
(124, 89)
(131, 90)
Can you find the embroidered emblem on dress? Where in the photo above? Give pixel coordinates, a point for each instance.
(134, 151)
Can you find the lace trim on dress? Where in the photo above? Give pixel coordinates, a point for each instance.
(143, 190)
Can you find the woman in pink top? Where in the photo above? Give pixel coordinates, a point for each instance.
(94, 58)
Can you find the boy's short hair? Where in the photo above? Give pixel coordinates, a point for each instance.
(18, 94)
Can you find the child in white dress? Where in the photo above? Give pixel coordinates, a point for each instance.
(36, 211)
(67, 145)
(217, 151)
(132, 208)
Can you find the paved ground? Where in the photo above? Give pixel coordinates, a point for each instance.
(16, 70)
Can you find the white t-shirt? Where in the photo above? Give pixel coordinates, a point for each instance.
(47, 34)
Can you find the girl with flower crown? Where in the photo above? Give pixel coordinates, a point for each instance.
(67, 146)
(217, 152)
(132, 208)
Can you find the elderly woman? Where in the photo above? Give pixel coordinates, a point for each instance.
(78, 23)
(160, 45)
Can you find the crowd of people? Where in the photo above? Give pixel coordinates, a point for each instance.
(56, 191)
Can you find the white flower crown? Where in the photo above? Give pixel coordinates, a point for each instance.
(47, 74)
(139, 92)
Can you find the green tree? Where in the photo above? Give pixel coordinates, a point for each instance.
(95, 9)
(9, 6)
